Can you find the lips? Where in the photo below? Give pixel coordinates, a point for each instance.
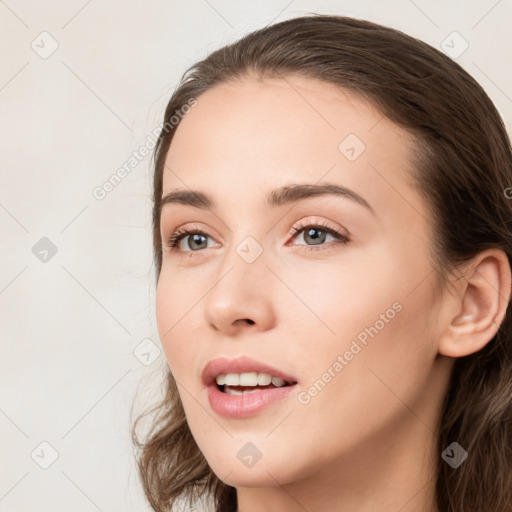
(223, 365)
(244, 404)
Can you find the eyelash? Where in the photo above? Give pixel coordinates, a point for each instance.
(179, 234)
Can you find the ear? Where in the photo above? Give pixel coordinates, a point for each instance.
(478, 306)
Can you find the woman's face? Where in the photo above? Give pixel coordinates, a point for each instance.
(349, 318)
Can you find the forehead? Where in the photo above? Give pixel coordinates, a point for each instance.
(248, 136)
(252, 114)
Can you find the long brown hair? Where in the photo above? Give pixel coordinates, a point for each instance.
(462, 168)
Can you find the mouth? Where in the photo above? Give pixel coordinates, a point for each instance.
(249, 382)
(244, 387)
(244, 372)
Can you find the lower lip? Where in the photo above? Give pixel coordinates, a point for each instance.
(242, 406)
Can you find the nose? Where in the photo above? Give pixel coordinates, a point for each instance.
(241, 297)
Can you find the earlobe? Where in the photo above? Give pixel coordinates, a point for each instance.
(480, 305)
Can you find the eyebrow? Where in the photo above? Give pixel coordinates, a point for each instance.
(278, 197)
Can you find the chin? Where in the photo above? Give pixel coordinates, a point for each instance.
(251, 477)
(264, 473)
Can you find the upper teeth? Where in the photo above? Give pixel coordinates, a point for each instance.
(248, 379)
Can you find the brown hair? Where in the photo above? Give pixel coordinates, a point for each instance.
(462, 167)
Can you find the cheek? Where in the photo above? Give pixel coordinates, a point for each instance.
(374, 370)
(378, 352)
(173, 316)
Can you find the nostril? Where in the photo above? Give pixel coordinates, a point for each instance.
(249, 321)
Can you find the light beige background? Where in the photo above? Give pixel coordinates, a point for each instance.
(72, 325)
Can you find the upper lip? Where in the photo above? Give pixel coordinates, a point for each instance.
(223, 365)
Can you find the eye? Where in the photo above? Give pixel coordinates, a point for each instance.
(197, 241)
(315, 234)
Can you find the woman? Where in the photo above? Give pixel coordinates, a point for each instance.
(332, 239)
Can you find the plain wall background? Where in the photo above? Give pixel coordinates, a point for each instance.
(69, 120)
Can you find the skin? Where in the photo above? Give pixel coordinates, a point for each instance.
(367, 440)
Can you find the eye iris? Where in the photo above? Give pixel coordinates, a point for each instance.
(197, 238)
(316, 239)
